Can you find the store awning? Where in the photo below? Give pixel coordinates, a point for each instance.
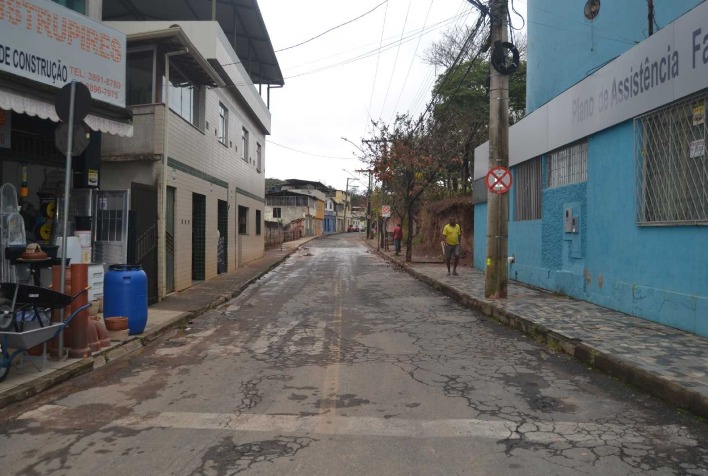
(37, 102)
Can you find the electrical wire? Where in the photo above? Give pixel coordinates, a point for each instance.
(332, 29)
(449, 71)
(410, 66)
(395, 62)
(376, 71)
(363, 55)
(309, 153)
(426, 86)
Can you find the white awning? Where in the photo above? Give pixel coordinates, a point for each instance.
(25, 104)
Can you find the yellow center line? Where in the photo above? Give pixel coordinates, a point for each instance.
(330, 385)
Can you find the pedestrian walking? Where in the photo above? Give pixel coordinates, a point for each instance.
(397, 237)
(451, 240)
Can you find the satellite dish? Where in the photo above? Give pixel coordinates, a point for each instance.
(592, 9)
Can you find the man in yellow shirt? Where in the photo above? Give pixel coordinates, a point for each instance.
(452, 234)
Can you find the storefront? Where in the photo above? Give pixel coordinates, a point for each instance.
(44, 46)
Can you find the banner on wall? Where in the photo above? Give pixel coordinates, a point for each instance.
(46, 42)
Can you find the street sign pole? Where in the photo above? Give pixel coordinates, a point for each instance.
(72, 105)
(65, 217)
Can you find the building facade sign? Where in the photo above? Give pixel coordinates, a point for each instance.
(671, 64)
(46, 42)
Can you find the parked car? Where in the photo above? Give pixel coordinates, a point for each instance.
(353, 228)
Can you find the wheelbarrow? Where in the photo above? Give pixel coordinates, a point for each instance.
(25, 319)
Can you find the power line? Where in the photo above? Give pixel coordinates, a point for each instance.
(426, 86)
(376, 71)
(333, 28)
(368, 54)
(425, 22)
(448, 73)
(309, 153)
(395, 61)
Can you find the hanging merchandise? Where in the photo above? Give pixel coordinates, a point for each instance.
(24, 190)
(500, 57)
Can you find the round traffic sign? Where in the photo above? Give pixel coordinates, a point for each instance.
(82, 102)
(498, 180)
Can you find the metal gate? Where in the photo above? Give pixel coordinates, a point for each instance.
(198, 237)
(223, 226)
(142, 246)
(170, 241)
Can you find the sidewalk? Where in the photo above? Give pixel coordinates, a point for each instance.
(174, 311)
(663, 361)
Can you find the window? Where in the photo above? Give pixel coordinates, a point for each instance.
(258, 157)
(140, 74)
(244, 144)
(76, 5)
(527, 190)
(568, 165)
(184, 97)
(223, 129)
(258, 222)
(277, 212)
(242, 220)
(671, 165)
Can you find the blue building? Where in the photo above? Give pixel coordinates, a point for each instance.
(330, 218)
(609, 201)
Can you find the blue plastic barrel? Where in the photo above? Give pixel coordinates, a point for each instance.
(125, 294)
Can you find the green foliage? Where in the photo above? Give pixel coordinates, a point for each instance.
(270, 182)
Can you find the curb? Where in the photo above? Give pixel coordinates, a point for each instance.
(621, 369)
(129, 347)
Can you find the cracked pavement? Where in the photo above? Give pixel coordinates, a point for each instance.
(338, 363)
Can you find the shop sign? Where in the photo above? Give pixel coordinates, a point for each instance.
(49, 43)
(669, 65)
(5, 128)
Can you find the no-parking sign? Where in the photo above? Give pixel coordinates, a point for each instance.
(498, 180)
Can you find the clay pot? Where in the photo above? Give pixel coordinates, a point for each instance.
(92, 333)
(102, 331)
(93, 310)
(118, 323)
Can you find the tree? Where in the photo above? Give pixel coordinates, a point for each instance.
(406, 157)
(270, 182)
(462, 104)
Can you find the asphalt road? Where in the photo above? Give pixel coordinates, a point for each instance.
(337, 363)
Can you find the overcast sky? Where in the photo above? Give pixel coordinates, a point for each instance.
(335, 84)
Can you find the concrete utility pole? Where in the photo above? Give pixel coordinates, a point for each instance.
(368, 203)
(496, 275)
(346, 204)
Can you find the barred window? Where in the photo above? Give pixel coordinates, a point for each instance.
(671, 164)
(568, 165)
(527, 190)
